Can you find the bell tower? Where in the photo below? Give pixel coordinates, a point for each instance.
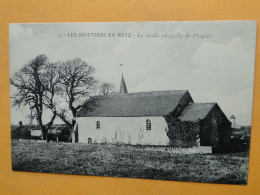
(123, 88)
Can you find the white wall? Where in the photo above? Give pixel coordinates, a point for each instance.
(36, 133)
(128, 130)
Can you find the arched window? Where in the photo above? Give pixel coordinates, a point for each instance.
(148, 125)
(98, 125)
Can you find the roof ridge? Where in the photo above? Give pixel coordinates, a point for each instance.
(159, 91)
(163, 91)
(147, 92)
(204, 103)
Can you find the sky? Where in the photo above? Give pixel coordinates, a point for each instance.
(215, 61)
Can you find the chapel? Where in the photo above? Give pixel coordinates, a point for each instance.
(153, 118)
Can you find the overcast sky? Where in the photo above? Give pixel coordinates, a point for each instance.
(218, 68)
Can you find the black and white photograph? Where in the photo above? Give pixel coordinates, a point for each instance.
(148, 100)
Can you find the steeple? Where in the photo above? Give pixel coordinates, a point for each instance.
(123, 88)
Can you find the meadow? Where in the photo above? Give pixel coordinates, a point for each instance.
(128, 161)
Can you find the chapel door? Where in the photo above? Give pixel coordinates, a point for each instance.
(89, 141)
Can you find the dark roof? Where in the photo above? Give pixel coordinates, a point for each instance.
(31, 128)
(154, 103)
(21, 132)
(13, 127)
(37, 127)
(195, 111)
(56, 129)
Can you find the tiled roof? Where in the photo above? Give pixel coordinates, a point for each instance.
(154, 103)
(195, 111)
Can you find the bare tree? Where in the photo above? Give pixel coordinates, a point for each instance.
(106, 88)
(77, 83)
(36, 84)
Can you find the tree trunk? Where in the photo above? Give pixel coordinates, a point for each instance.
(73, 137)
(44, 134)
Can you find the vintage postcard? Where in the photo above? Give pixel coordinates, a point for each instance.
(152, 100)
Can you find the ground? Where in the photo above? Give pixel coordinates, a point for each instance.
(128, 161)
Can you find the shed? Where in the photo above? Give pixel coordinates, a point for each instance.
(214, 128)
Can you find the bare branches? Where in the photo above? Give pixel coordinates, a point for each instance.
(62, 88)
(36, 85)
(75, 87)
(106, 88)
(77, 83)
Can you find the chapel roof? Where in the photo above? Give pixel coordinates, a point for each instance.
(196, 111)
(153, 103)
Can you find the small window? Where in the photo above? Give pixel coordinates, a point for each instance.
(98, 125)
(148, 125)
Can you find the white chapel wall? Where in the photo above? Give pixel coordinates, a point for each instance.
(128, 130)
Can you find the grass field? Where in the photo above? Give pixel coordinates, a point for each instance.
(128, 161)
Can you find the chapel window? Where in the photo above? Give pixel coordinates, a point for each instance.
(98, 125)
(148, 125)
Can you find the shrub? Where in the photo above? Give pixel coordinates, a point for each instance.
(183, 133)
